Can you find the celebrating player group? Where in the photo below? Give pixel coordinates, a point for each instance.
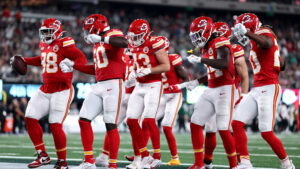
(140, 81)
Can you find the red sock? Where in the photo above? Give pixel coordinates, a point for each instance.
(153, 130)
(114, 139)
(87, 138)
(229, 147)
(35, 133)
(60, 140)
(146, 133)
(275, 144)
(105, 149)
(135, 148)
(137, 136)
(171, 141)
(240, 139)
(197, 140)
(209, 146)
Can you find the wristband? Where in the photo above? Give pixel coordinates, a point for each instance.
(106, 39)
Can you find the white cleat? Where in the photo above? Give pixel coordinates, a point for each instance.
(208, 166)
(146, 162)
(102, 160)
(290, 165)
(85, 165)
(136, 163)
(244, 166)
(155, 163)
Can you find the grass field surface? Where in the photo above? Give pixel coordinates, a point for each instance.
(15, 149)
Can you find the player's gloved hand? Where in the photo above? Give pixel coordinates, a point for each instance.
(66, 65)
(92, 39)
(243, 95)
(194, 59)
(132, 76)
(240, 29)
(143, 72)
(131, 81)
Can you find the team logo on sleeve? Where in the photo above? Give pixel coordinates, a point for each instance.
(146, 50)
(55, 48)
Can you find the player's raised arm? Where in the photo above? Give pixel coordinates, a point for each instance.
(34, 61)
(163, 62)
(223, 53)
(242, 70)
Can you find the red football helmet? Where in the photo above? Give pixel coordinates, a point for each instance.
(95, 24)
(222, 29)
(249, 20)
(201, 30)
(50, 30)
(138, 33)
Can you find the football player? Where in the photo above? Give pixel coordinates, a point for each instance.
(108, 92)
(56, 93)
(151, 60)
(218, 99)
(265, 96)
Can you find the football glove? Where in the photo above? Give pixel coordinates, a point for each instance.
(240, 29)
(143, 72)
(92, 39)
(194, 59)
(132, 76)
(66, 65)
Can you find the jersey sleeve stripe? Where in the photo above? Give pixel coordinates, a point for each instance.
(158, 44)
(115, 33)
(175, 62)
(240, 53)
(219, 44)
(67, 43)
(262, 31)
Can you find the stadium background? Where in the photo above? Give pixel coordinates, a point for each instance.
(20, 21)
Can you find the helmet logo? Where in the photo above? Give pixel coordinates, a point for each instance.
(246, 18)
(202, 23)
(56, 24)
(89, 21)
(224, 28)
(144, 27)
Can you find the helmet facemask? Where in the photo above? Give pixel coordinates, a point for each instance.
(197, 38)
(47, 35)
(136, 40)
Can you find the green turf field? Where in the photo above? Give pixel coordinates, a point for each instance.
(18, 148)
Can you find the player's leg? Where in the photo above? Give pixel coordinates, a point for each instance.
(210, 142)
(267, 104)
(203, 111)
(224, 103)
(152, 101)
(59, 108)
(244, 113)
(112, 99)
(173, 105)
(38, 107)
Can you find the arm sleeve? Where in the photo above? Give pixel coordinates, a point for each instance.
(75, 54)
(35, 61)
(88, 69)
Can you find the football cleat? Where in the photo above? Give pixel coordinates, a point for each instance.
(155, 163)
(61, 164)
(85, 165)
(290, 166)
(208, 166)
(174, 162)
(102, 160)
(244, 166)
(196, 167)
(146, 162)
(136, 163)
(129, 158)
(42, 159)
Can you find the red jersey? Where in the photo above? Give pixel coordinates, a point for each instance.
(238, 52)
(108, 59)
(145, 58)
(54, 80)
(129, 68)
(170, 78)
(265, 62)
(219, 77)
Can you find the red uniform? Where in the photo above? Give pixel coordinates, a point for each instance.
(170, 78)
(108, 59)
(145, 58)
(265, 62)
(238, 52)
(54, 80)
(129, 68)
(219, 77)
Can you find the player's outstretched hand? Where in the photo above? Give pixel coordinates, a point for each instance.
(194, 59)
(240, 29)
(66, 65)
(143, 72)
(92, 38)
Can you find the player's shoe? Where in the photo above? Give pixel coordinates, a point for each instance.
(155, 163)
(85, 165)
(42, 159)
(174, 162)
(61, 164)
(146, 162)
(208, 166)
(196, 167)
(290, 166)
(102, 160)
(129, 158)
(136, 163)
(244, 166)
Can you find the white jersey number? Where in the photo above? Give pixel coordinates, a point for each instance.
(49, 62)
(146, 62)
(100, 57)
